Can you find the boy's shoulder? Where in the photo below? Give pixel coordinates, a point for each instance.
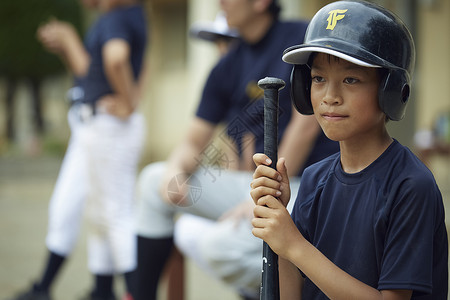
(405, 166)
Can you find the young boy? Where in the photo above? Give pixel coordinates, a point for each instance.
(368, 222)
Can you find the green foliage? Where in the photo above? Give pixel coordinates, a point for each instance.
(21, 55)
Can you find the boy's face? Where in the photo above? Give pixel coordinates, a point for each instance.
(344, 97)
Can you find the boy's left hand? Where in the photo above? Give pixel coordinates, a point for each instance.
(274, 225)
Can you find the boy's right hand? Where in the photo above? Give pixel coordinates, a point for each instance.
(268, 181)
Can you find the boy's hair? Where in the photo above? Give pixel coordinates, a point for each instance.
(365, 34)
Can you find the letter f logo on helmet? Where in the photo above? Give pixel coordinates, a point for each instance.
(335, 15)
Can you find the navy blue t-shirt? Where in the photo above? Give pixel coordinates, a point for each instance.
(384, 225)
(127, 23)
(231, 93)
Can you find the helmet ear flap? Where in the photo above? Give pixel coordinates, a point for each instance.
(301, 89)
(394, 94)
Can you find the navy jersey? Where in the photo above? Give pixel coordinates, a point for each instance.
(231, 93)
(127, 23)
(384, 225)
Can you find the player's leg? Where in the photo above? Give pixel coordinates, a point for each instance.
(65, 209)
(154, 233)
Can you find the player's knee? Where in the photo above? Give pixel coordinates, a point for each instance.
(149, 179)
(151, 173)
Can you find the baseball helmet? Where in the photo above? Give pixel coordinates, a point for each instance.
(365, 34)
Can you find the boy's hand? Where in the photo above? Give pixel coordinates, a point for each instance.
(270, 182)
(274, 225)
(271, 193)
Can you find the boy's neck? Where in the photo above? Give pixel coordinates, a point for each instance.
(358, 155)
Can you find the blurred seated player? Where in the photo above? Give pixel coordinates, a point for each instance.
(197, 178)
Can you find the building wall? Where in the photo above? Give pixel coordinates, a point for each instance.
(433, 62)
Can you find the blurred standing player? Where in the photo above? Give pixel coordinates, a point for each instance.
(190, 182)
(99, 169)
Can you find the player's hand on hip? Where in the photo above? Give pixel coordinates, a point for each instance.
(113, 105)
(268, 182)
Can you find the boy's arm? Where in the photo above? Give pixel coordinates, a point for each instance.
(291, 281)
(118, 70)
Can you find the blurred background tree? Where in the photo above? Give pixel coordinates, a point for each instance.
(22, 57)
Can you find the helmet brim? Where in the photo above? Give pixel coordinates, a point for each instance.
(299, 55)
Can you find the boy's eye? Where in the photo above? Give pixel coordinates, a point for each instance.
(317, 78)
(350, 80)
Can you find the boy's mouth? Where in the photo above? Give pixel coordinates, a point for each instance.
(330, 116)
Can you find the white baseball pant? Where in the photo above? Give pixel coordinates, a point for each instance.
(100, 168)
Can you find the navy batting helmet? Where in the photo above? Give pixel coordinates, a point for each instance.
(365, 34)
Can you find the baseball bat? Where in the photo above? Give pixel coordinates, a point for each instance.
(270, 289)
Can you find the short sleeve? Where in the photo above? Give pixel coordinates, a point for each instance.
(408, 253)
(214, 105)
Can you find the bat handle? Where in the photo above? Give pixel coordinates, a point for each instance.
(269, 283)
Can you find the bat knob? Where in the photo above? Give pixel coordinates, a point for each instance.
(271, 83)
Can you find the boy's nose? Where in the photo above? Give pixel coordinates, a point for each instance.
(332, 96)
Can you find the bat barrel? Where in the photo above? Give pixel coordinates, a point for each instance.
(269, 282)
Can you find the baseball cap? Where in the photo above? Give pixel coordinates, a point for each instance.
(211, 31)
(299, 55)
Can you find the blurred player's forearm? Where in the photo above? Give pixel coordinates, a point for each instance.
(118, 70)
